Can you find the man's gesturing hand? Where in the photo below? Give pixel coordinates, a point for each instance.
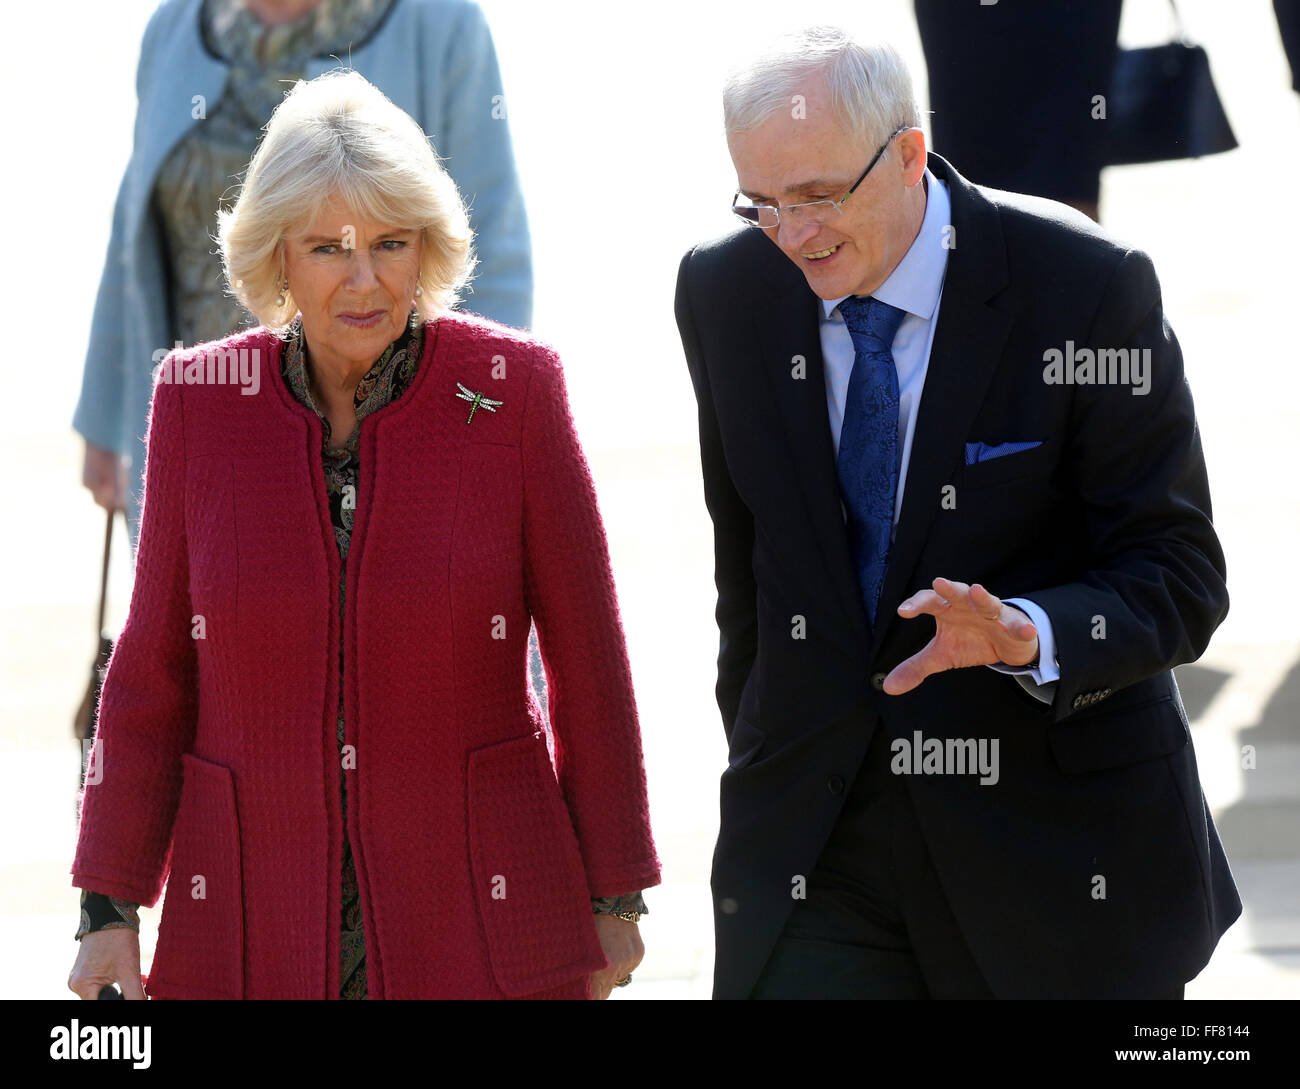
(972, 628)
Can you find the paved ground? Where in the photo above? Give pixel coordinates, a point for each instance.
(1222, 235)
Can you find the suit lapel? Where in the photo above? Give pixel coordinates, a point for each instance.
(967, 348)
(790, 311)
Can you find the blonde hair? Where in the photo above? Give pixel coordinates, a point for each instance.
(870, 86)
(340, 135)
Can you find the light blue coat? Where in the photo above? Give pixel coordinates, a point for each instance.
(433, 58)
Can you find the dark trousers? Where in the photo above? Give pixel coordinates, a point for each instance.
(875, 922)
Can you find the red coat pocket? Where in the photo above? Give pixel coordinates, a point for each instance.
(529, 882)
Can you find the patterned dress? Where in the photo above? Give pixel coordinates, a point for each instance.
(386, 381)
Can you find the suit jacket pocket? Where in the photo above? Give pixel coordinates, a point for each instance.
(200, 951)
(1008, 467)
(1118, 737)
(529, 881)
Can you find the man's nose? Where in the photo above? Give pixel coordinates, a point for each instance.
(794, 230)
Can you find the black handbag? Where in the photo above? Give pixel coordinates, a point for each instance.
(1163, 105)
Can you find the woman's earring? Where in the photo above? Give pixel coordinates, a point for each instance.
(284, 286)
(418, 291)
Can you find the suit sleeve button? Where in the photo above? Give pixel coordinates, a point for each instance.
(835, 784)
(878, 681)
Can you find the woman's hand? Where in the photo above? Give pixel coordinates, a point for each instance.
(110, 956)
(621, 941)
(104, 473)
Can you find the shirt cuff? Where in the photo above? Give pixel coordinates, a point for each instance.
(100, 912)
(612, 905)
(1038, 680)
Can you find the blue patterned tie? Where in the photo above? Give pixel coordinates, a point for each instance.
(868, 457)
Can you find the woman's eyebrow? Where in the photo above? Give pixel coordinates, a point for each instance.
(317, 239)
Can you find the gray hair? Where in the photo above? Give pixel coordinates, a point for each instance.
(871, 89)
(339, 134)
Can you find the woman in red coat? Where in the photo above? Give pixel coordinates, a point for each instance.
(316, 725)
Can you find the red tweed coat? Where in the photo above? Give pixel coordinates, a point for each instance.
(475, 857)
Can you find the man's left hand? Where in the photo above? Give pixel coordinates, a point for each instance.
(972, 628)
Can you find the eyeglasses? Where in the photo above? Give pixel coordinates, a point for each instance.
(768, 216)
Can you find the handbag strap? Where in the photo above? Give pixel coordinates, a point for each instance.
(103, 574)
(1180, 31)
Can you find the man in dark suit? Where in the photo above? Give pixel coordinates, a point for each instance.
(963, 534)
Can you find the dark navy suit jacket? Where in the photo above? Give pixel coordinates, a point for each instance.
(1108, 518)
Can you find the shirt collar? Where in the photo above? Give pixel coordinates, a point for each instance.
(917, 280)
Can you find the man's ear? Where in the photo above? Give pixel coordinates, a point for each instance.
(912, 153)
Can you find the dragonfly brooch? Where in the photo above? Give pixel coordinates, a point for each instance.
(477, 401)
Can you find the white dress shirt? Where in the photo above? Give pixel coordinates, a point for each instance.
(915, 287)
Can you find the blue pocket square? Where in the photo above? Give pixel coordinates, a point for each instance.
(984, 451)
